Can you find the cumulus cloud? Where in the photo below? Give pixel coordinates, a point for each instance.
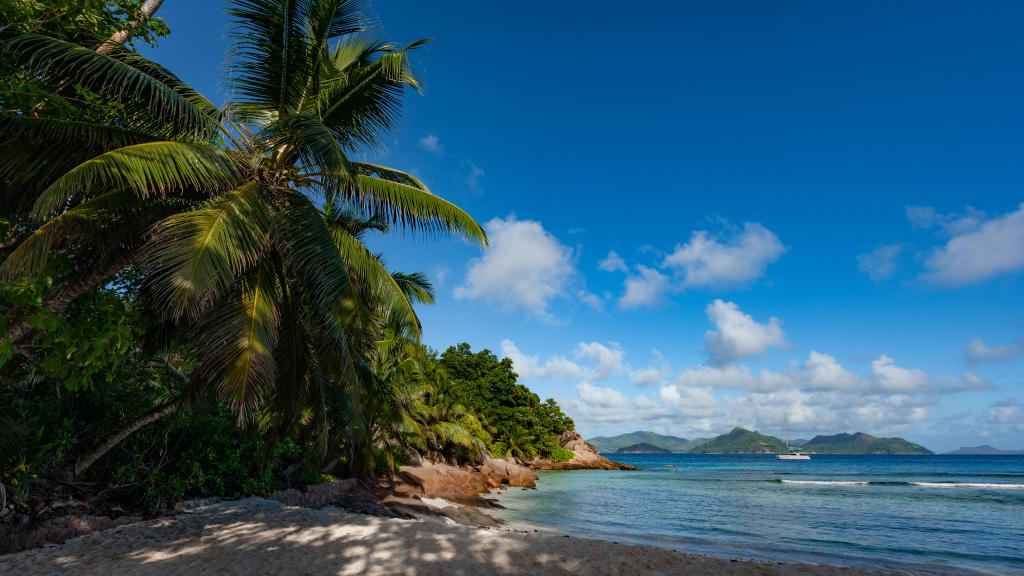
(474, 176)
(605, 361)
(989, 250)
(645, 288)
(688, 401)
(893, 378)
(431, 143)
(823, 372)
(649, 376)
(612, 263)
(927, 217)
(530, 367)
(1007, 415)
(735, 260)
(601, 397)
(608, 359)
(735, 378)
(879, 264)
(738, 335)
(525, 267)
(978, 351)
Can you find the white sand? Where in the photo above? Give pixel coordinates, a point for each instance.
(255, 536)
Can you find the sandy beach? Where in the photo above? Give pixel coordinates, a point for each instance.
(256, 536)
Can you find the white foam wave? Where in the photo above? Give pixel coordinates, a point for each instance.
(984, 485)
(827, 482)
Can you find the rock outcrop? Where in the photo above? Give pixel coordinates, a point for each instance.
(585, 456)
(465, 484)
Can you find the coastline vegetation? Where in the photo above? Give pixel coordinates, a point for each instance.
(188, 306)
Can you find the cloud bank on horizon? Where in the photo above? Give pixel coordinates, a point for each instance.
(528, 269)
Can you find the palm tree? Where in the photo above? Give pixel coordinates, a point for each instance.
(231, 213)
(517, 443)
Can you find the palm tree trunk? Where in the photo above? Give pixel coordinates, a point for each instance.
(149, 7)
(69, 293)
(148, 418)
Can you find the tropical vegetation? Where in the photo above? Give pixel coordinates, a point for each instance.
(189, 305)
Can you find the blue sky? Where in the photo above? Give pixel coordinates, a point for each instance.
(816, 207)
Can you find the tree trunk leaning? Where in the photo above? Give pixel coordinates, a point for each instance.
(149, 7)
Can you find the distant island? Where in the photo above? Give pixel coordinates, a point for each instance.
(642, 448)
(668, 443)
(861, 443)
(743, 441)
(984, 450)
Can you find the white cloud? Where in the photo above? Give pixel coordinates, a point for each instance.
(734, 378)
(688, 401)
(590, 300)
(737, 260)
(979, 254)
(892, 378)
(530, 367)
(474, 176)
(926, 217)
(524, 268)
(608, 359)
(649, 376)
(822, 372)
(879, 264)
(431, 143)
(738, 335)
(978, 351)
(601, 397)
(644, 289)
(612, 263)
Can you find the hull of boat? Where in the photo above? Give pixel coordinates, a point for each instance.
(793, 457)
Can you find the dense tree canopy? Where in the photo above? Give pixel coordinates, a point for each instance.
(187, 304)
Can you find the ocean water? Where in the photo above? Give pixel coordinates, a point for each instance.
(925, 514)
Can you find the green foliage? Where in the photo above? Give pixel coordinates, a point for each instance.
(558, 454)
(741, 441)
(80, 21)
(517, 421)
(861, 443)
(188, 306)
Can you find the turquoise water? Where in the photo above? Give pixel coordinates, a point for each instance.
(959, 514)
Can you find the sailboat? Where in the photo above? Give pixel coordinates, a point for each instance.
(792, 453)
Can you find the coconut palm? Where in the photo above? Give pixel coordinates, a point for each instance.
(236, 233)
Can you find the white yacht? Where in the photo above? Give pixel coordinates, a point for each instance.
(794, 455)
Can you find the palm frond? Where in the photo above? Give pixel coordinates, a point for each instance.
(59, 63)
(194, 256)
(416, 286)
(415, 208)
(361, 98)
(386, 291)
(314, 145)
(269, 62)
(149, 169)
(115, 220)
(236, 345)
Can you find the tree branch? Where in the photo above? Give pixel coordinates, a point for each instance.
(149, 7)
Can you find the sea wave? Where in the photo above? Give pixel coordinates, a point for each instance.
(984, 485)
(977, 485)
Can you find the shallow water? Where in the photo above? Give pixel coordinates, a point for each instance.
(924, 513)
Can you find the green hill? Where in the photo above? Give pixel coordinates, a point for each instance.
(642, 448)
(984, 450)
(861, 443)
(669, 443)
(741, 441)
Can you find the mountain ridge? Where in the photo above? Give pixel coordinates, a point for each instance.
(742, 441)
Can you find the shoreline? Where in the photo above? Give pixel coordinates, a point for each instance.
(258, 536)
